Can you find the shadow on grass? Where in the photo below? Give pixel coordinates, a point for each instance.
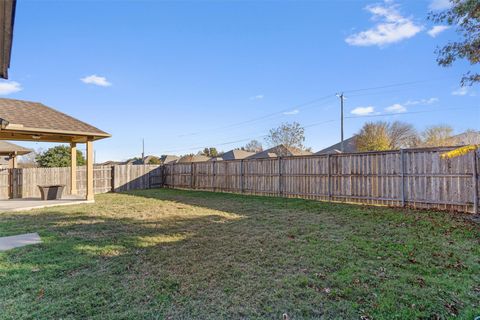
(185, 254)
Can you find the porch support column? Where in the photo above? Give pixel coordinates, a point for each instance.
(12, 161)
(73, 168)
(90, 193)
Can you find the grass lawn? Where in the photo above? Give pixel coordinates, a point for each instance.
(174, 254)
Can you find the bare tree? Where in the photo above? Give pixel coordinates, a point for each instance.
(437, 136)
(402, 135)
(28, 160)
(287, 134)
(253, 146)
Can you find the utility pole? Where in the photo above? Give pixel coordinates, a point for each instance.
(143, 151)
(341, 96)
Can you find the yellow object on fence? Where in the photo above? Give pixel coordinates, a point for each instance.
(460, 151)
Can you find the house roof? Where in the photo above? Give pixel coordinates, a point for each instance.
(168, 158)
(110, 163)
(280, 150)
(7, 19)
(26, 118)
(467, 137)
(145, 160)
(348, 147)
(7, 148)
(237, 154)
(193, 158)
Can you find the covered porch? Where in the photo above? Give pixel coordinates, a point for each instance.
(31, 121)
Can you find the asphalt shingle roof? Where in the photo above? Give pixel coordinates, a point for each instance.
(349, 146)
(38, 116)
(237, 154)
(193, 158)
(280, 150)
(8, 148)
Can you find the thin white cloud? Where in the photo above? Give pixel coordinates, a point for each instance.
(396, 108)
(421, 101)
(436, 30)
(363, 111)
(437, 5)
(391, 27)
(96, 80)
(257, 97)
(293, 112)
(463, 91)
(8, 87)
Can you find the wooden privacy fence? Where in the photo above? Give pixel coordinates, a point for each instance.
(413, 177)
(23, 183)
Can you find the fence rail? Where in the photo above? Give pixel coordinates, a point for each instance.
(417, 178)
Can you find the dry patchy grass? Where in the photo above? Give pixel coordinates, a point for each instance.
(184, 254)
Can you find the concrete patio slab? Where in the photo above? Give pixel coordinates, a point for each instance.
(29, 204)
(21, 240)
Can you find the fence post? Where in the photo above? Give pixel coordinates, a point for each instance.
(402, 176)
(214, 178)
(173, 176)
(329, 176)
(10, 183)
(242, 173)
(280, 186)
(113, 178)
(475, 182)
(191, 175)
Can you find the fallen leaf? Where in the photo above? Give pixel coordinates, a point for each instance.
(41, 293)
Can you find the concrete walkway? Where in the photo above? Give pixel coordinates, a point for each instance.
(29, 204)
(21, 240)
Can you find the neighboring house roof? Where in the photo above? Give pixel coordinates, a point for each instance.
(237, 154)
(193, 158)
(349, 146)
(7, 148)
(169, 159)
(7, 19)
(216, 159)
(110, 163)
(145, 160)
(467, 137)
(280, 150)
(26, 116)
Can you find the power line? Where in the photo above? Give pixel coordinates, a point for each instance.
(308, 103)
(321, 123)
(400, 84)
(406, 113)
(300, 106)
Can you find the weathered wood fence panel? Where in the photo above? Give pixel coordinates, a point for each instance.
(30, 178)
(417, 178)
(23, 183)
(132, 177)
(4, 184)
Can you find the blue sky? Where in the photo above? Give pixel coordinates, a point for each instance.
(190, 74)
